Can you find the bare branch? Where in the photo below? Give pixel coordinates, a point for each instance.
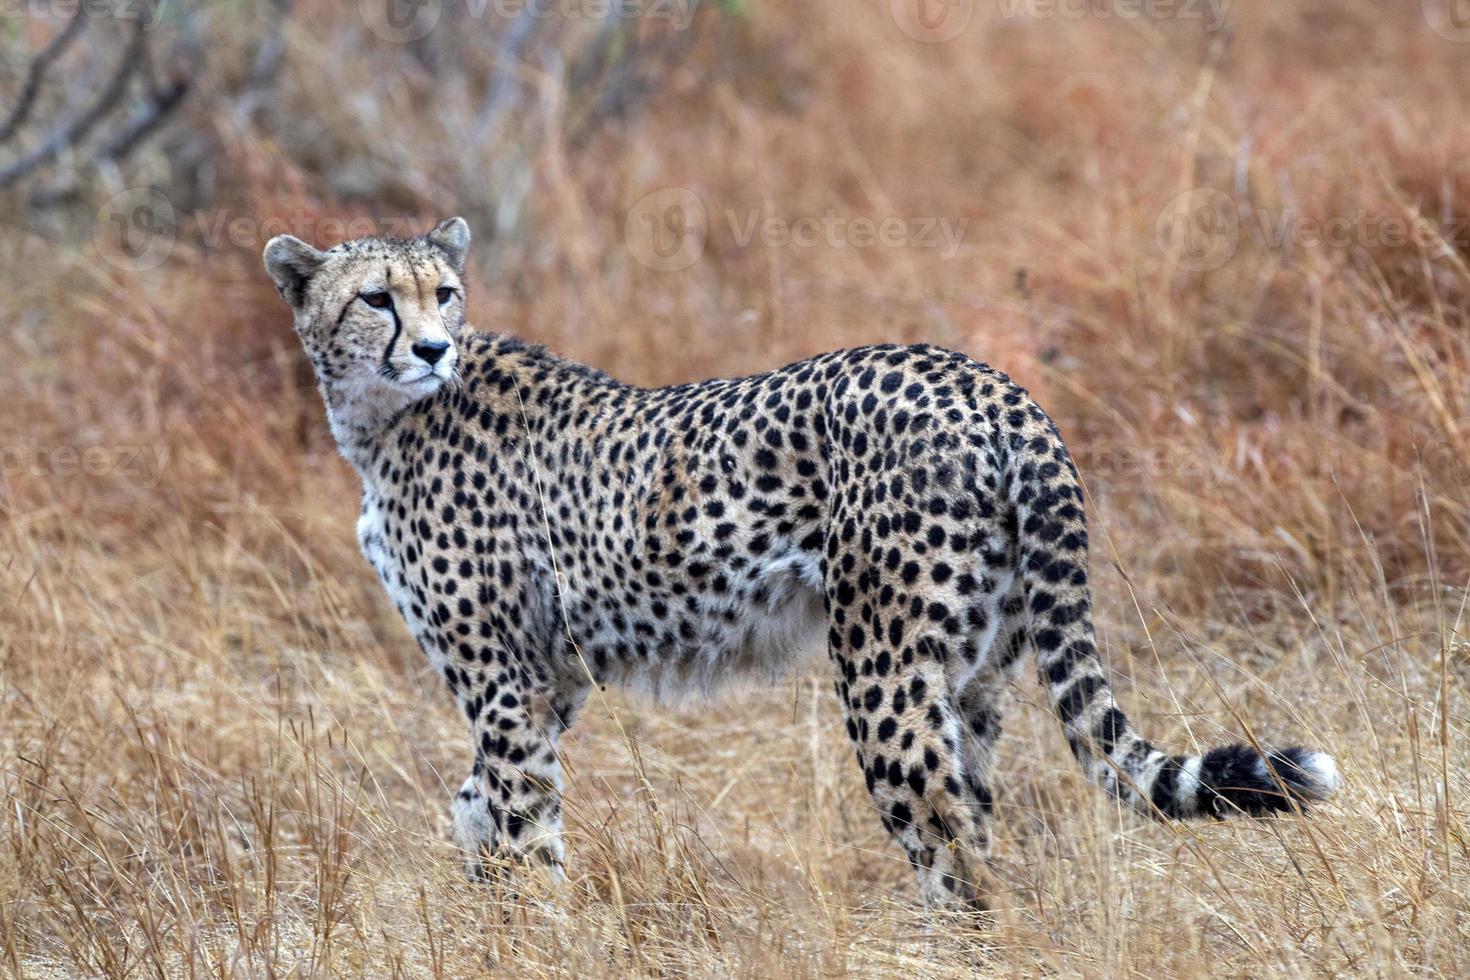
(503, 90)
(144, 121)
(269, 56)
(37, 72)
(272, 49)
(615, 72)
(69, 133)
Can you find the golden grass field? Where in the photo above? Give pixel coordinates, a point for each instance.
(221, 754)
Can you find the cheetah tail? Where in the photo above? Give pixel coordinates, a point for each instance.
(1051, 531)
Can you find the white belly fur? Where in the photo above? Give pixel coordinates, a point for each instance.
(764, 644)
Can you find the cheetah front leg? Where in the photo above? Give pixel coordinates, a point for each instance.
(509, 808)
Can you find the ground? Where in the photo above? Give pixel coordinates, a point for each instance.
(220, 751)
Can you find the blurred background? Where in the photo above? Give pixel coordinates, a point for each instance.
(1223, 243)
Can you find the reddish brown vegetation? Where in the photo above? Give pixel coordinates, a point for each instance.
(221, 754)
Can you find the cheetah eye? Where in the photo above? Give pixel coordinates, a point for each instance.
(378, 301)
(445, 294)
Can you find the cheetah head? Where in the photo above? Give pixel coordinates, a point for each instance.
(380, 318)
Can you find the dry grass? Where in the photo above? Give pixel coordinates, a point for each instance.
(220, 754)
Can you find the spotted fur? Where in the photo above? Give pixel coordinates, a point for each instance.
(544, 528)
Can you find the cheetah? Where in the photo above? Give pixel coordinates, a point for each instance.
(544, 529)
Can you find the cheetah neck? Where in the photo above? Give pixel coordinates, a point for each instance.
(366, 414)
(360, 413)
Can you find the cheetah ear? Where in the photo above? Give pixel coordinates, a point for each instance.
(291, 263)
(453, 238)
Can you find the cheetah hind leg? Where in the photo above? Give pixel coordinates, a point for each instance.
(982, 703)
(911, 744)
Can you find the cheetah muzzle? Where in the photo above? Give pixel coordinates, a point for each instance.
(913, 508)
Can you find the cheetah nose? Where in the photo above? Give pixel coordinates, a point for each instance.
(431, 350)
